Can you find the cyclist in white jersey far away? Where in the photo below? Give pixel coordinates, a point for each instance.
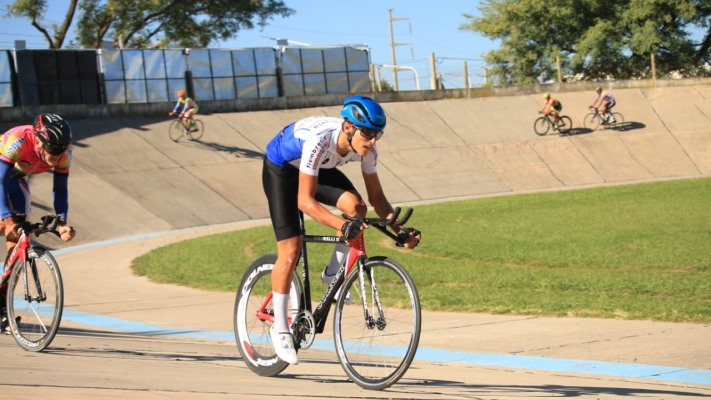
(300, 173)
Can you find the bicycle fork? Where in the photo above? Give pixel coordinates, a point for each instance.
(370, 320)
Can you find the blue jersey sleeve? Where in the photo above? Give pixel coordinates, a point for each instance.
(5, 171)
(61, 194)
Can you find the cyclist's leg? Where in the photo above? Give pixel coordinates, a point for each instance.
(609, 110)
(19, 200)
(281, 188)
(188, 118)
(336, 190)
(606, 110)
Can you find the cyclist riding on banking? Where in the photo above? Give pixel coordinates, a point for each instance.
(190, 107)
(607, 101)
(300, 173)
(552, 107)
(29, 150)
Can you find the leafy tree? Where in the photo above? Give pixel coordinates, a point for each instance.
(593, 39)
(151, 23)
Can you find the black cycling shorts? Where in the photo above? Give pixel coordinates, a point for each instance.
(281, 185)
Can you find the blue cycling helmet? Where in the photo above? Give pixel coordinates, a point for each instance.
(364, 112)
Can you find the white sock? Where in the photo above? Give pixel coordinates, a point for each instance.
(337, 258)
(281, 302)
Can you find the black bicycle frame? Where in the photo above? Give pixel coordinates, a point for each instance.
(320, 314)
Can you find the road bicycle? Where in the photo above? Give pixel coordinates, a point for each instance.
(544, 124)
(32, 286)
(593, 120)
(177, 130)
(376, 336)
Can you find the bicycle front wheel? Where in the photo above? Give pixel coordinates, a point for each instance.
(197, 130)
(541, 126)
(35, 299)
(376, 349)
(592, 121)
(176, 130)
(254, 315)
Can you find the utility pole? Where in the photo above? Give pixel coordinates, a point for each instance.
(393, 45)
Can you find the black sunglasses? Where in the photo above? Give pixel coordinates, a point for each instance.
(54, 150)
(369, 134)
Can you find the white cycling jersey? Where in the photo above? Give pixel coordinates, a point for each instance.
(310, 144)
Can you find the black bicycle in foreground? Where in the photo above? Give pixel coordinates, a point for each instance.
(375, 337)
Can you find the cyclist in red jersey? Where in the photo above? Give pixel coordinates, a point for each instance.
(29, 150)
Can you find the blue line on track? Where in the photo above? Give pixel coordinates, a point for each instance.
(655, 372)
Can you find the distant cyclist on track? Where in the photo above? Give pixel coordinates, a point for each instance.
(552, 107)
(190, 107)
(300, 172)
(607, 101)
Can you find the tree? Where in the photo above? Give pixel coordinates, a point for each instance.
(593, 39)
(141, 24)
(34, 10)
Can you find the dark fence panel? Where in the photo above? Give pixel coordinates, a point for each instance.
(47, 77)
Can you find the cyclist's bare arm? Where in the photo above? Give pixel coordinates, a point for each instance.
(376, 197)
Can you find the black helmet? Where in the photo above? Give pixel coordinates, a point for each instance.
(54, 132)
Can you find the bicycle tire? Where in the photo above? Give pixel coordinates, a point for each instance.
(567, 125)
(39, 318)
(592, 121)
(176, 130)
(541, 126)
(378, 356)
(251, 333)
(197, 134)
(619, 118)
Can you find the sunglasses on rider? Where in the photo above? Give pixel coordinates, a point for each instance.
(54, 150)
(369, 134)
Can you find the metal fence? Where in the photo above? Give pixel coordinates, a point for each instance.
(6, 73)
(155, 75)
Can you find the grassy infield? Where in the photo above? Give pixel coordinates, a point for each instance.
(632, 252)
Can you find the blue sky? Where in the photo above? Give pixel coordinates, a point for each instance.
(425, 28)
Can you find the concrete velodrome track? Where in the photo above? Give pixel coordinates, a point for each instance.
(132, 190)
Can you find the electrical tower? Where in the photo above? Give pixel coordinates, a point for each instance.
(393, 45)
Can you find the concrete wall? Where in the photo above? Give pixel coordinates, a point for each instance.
(129, 178)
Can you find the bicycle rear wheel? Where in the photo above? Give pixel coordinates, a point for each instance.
(176, 130)
(252, 331)
(35, 299)
(377, 351)
(199, 130)
(619, 118)
(592, 121)
(541, 126)
(567, 124)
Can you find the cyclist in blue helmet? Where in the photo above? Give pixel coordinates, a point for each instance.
(300, 174)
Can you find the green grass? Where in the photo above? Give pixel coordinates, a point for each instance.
(632, 252)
